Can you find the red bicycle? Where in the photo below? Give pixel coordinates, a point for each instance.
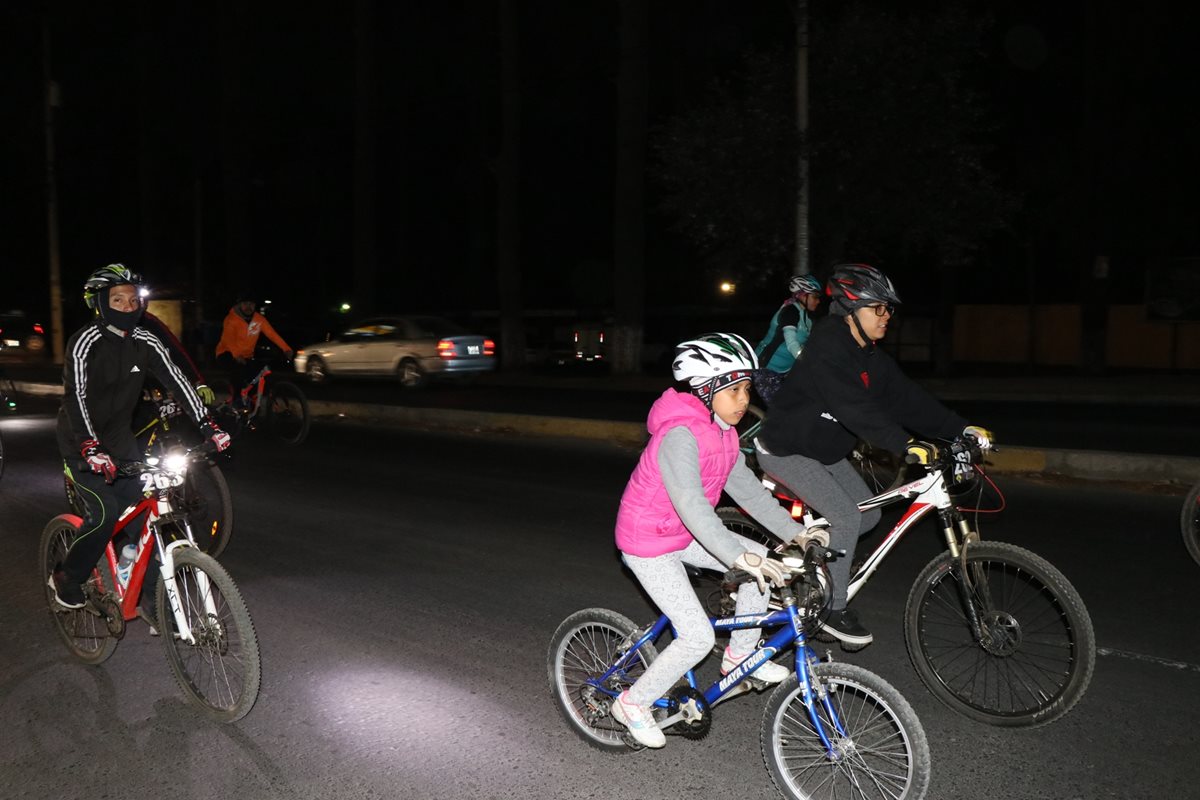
(206, 629)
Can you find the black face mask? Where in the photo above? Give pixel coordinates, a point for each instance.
(121, 320)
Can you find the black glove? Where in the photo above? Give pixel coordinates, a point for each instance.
(98, 460)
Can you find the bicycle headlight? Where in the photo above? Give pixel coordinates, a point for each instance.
(175, 462)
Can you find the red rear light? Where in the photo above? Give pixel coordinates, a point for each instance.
(445, 349)
(489, 347)
(797, 509)
(37, 328)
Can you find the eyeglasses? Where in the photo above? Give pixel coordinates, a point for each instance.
(881, 310)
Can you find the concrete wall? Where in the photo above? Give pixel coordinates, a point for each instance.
(1004, 335)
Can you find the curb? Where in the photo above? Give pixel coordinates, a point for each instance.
(1092, 465)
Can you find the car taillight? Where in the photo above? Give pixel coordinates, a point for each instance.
(37, 328)
(445, 349)
(489, 347)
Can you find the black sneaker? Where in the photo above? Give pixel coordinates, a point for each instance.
(844, 626)
(67, 593)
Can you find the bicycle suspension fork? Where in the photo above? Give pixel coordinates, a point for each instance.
(952, 520)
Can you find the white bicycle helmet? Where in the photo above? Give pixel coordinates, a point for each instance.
(711, 362)
(804, 283)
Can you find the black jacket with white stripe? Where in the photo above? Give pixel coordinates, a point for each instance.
(102, 382)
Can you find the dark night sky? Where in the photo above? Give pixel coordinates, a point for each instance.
(438, 82)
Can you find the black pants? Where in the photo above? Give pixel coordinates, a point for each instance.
(239, 374)
(101, 504)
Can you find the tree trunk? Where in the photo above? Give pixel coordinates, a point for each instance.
(629, 218)
(235, 168)
(803, 260)
(365, 230)
(508, 172)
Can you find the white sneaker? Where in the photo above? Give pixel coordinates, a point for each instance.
(640, 721)
(767, 672)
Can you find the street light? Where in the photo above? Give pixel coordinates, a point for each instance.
(728, 287)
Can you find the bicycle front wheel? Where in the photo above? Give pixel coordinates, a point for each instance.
(83, 630)
(219, 671)
(879, 749)
(881, 470)
(1033, 655)
(1189, 522)
(287, 413)
(585, 645)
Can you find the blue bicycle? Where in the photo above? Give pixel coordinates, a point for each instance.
(829, 730)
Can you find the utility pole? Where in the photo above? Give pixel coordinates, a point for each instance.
(51, 102)
(802, 264)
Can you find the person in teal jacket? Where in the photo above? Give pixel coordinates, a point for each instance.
(786, 335)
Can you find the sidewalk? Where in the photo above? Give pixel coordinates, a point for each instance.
(1164, 390)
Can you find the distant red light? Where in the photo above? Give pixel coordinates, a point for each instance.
(37, 328)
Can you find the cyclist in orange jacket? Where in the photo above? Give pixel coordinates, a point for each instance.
(239, 336)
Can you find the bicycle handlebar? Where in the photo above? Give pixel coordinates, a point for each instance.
(201, 452)
(815, 555)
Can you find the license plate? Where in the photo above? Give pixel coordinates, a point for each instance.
(472, 349)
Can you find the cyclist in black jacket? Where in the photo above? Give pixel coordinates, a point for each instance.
(106, 364)
(844, 388)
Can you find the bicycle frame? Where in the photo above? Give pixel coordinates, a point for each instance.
(157, 508)
(256, 386)
(927, 493)
(729, 686)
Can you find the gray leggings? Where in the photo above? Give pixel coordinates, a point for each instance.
(666, 581)
(834, 490)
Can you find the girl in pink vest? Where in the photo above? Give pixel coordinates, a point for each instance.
(667, 519)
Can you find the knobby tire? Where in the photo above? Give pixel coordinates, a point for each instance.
(1038, 649)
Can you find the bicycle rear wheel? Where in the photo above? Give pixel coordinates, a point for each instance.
(287, 413)
(220, 671)
(1036, 651)
(585, 645)
(205, 500)
(1189, 522)
(83, 630)
(882, 751)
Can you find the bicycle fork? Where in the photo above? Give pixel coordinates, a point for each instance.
(958, 550)
(203, 586)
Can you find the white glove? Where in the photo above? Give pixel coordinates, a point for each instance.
(817, 533)
(982, 436)
(764, 570)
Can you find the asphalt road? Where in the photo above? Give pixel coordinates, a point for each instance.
(405, 585)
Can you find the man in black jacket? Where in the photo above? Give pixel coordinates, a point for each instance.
(844, 388)
(107, 363)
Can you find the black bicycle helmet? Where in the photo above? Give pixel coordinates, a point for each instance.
(853, 286)
(105, 278)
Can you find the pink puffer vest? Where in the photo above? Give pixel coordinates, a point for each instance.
(647, 524)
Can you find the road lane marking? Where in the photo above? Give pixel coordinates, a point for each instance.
(1162, 662)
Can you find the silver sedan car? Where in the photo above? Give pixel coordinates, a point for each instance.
(414, 349)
